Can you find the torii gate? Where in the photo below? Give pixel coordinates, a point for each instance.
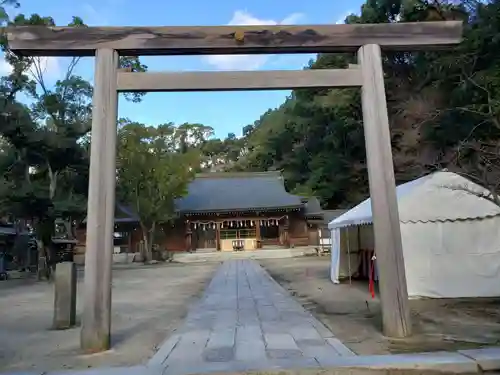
(107, 43)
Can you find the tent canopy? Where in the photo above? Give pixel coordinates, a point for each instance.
(440, 196)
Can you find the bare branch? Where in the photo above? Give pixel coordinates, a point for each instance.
(493, 198)
(37, 72)
(491, 114)
(71, 67)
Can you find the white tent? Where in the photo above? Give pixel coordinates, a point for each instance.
(450, 235)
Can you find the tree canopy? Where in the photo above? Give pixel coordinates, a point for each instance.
(443, 109)
(43, 153)
(154, 169)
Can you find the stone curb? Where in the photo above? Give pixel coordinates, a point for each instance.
(488, 359)
(164, 350)
(441, 362)
(471, 361)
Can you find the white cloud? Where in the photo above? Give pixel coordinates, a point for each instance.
(247, 62)
(342, 18)
(241, 17)
(237, 62)
(49, 66)
(292, 19)
(5, 67)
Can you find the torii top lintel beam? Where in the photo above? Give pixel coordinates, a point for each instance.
(207, 40)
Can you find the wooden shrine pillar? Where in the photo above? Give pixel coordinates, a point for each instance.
(129, 243)
(286, 233)
(388, 246)
(189, 237)
(217, 236)
(96, 318)
(257, 234)
(314, 234)
(67, 41)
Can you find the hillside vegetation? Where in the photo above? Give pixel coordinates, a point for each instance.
(444, 110)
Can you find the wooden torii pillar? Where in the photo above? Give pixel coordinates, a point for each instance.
(106, 43)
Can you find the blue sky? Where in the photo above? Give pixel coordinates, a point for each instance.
(225, 111)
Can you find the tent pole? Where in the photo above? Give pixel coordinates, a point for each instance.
(349, 254)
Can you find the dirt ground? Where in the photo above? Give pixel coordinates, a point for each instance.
(149, 302)
(355, 318)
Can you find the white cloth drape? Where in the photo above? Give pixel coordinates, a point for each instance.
(335, 254)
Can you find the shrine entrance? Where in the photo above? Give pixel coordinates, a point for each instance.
(107, 43)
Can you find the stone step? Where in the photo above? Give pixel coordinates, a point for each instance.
(221, 256)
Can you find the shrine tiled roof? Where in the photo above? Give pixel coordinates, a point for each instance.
(312, 206)
(225, 191)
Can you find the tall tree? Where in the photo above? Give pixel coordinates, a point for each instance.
(45, 168)
(152, 174)
(443, 109)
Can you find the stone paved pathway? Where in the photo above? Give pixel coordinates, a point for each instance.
(246, 321)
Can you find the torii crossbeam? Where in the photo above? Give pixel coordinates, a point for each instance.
(107, 43)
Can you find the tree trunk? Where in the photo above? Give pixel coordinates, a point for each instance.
(52, 181)
(42, 269)
(151, 241)
(70, 229)
(146, 236)
(46, 252)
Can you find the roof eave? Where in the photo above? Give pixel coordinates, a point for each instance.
(257, 209)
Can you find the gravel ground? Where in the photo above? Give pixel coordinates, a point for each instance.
(149, 302)
(355, 318)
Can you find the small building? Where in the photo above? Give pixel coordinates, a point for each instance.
(224, 211)
(319, 218)
(450, 236)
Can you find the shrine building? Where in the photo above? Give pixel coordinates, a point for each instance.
(226, 211)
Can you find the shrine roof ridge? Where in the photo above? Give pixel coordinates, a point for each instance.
(228, 191)
(211, 175)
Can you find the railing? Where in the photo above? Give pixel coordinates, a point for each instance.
(229, 234)
(210, 244)
(300, 241)
(270, 241)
